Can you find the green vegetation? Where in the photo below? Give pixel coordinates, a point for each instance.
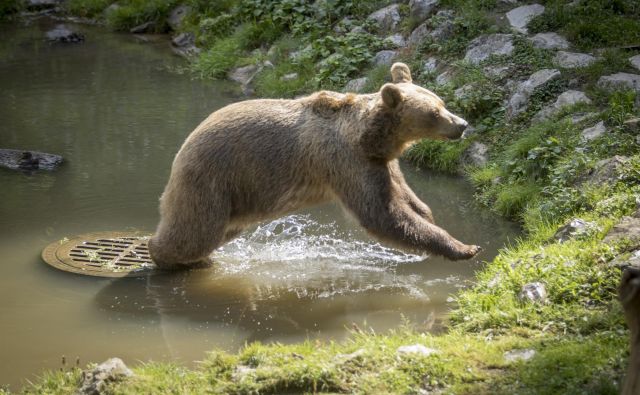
(537, 173)
(8, 8)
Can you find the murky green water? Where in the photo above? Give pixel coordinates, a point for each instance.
(118, 116)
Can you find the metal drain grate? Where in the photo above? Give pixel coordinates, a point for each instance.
(105, 254)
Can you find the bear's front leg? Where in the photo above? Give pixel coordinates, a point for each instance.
(629, 292)
(379, 205)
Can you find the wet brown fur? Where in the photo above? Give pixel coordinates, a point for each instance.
(260, 159)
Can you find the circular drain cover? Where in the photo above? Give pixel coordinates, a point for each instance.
(105, 254)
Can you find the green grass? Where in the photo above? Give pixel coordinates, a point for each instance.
(132, 13)
(9, 8)
(87, 8)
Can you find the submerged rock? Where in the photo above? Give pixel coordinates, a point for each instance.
(533, 292)
(356, 85)
(481, 48)
(387, 18)
(416, 349)
(549, 41)
(94, 382)
(520, 17)
(29, 160)
(64, 34)
(573, 60)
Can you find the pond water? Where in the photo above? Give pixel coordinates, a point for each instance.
(112, 107)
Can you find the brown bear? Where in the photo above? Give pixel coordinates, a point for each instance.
(629, 293)
(260, 159)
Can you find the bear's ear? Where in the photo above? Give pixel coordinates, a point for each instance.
(400, 73)
(391, 95)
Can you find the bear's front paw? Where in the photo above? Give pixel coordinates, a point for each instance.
(466, 252)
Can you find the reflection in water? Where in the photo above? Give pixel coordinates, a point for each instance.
(118, 116)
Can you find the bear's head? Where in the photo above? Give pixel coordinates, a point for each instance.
(421, 112)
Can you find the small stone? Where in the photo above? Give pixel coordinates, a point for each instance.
(356, 85)
(289, 77)
(419, 10)
(624, 261)
(417, 349)
(29, 160)
(94, 382)
(594, 132)
(396, 40)
(627, 229)
(463, 91)
(184, 45)
(549, 41)
(620, 81)
(567, 98)
(444, 25)
(385, 57)
(520, 17)
(497, 71)
(444, 77)
(519, 101)
(418, 35)
(519, 355)
(146, 27)
(387, 18)
(573, 60)
(481, 48)
(534, 292)
(430, 65)
(635, 61)
(575, 228)
(177, 15)
(297, 55)
(244, 75)
(63, 34)
(582, 116)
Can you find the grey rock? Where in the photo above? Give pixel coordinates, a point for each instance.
(572, 60)
(289, 77)
(397, 40)
(476, 155)
(419, 10)
(297, 55)
(241, 371)
(444, 27)
(416, 349)
(567, 98)
(519, 101)
(632, 125)
(244, 75)
(344, 25)
(576, 228)
(94, 382)
(635, 61)
(63, 34)
(549, 41)
(146, 27)
(387, 18)
(497, 71)
(418, 35)
(481, 48)
(624, 261)
(463, 92)
(520, 17)
(385, 57)
(533, 292)
(177, 15)
(184, 45)
(430, 65)
(627, 229)
(29, 160)
(358, 30)
(620, 81)
(519, 355)
(444, 77)
(608, 170)
(582, 116)
(594, 132)
(356, 85)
